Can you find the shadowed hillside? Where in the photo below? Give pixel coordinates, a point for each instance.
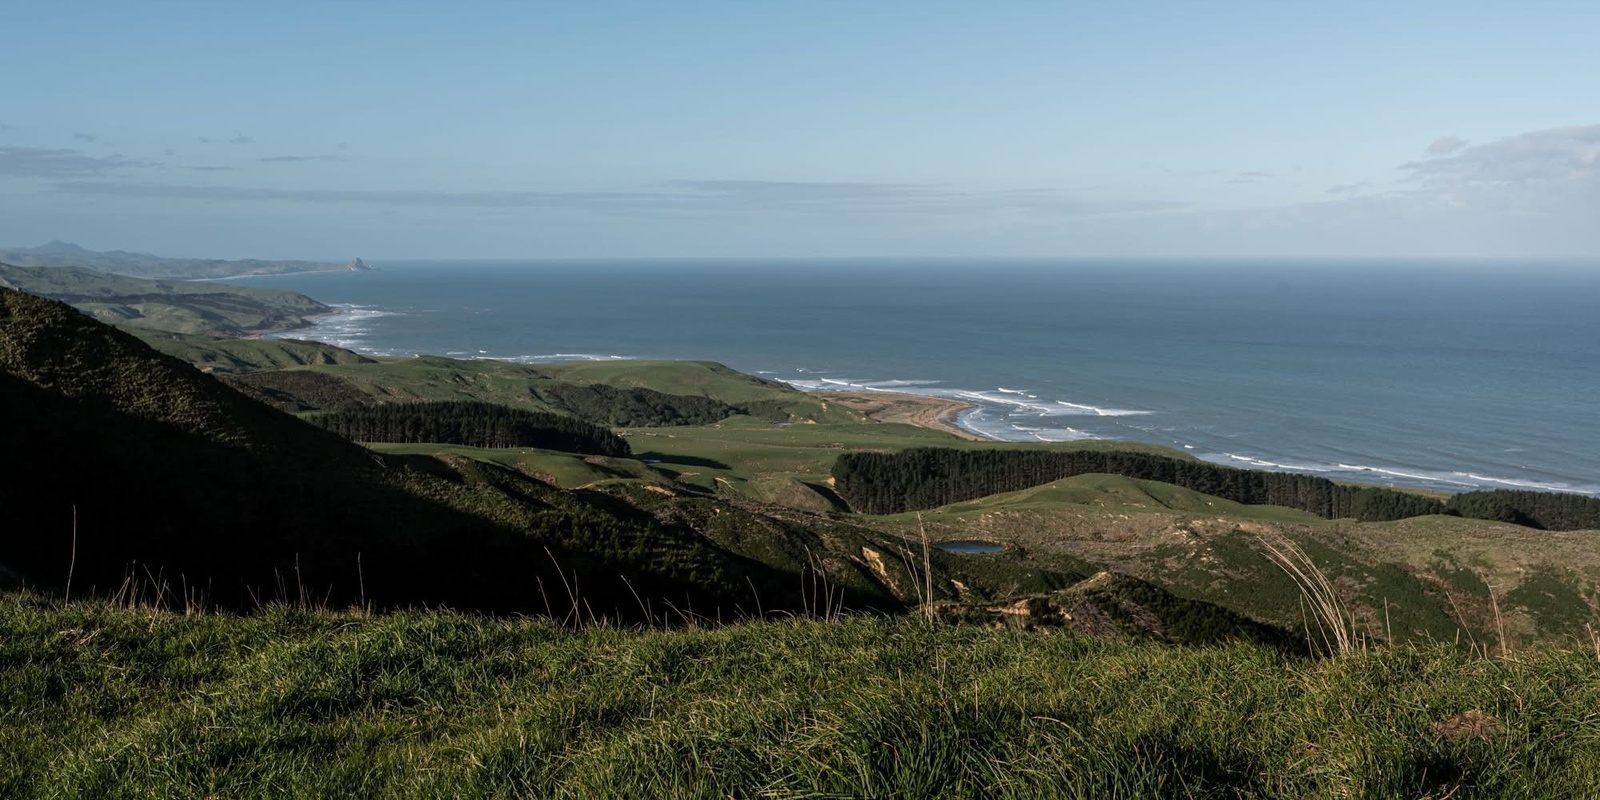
(203, 487)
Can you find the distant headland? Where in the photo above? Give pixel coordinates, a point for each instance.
(145, 265)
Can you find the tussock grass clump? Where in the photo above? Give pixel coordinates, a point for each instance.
(104, 702)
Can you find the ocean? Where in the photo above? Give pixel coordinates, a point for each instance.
(1436, 374)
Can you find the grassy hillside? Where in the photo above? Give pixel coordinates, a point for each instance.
(167, 305)
(134, 463)
(1431, 578)
(100, 702)
(1444, 579)
(437, 378)
(1439, 578)
(237, 356)
(644, 393)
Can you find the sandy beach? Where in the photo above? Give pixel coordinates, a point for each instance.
(937, 413)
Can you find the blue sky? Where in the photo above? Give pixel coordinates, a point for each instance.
(600, 129)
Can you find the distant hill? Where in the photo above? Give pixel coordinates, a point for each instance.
(227, 356)
(176, 306)
(145, 265)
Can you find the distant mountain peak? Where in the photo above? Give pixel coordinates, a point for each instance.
(58, 246)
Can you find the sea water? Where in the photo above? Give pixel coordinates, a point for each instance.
(1449, 375)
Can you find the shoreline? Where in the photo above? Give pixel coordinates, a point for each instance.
(923, 411)
(307, 323)
(945, 414)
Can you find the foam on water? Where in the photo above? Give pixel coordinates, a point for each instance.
(1080, 408)
(349, 326)
(548, 358)
(1369, 473)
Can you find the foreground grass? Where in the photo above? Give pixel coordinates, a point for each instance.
(99, 702)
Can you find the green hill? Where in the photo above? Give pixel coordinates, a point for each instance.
(237, 356)
(168, 305)
(617, 394)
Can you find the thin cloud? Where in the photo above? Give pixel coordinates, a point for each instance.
(1250, 176)
(86, 137)
(899, 198)
(237, 139)
(38, 162)
(291, 159)
(720, 196)
(1446, 145)
(376, 196)
(1350, 188)
(208, 169)
(1540, 157)
(802, 190)
(1533, 192)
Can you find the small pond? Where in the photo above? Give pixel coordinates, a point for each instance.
(969, 547)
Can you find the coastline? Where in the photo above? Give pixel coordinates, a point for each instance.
(924, 411)
(308, 322)
(1037, 413)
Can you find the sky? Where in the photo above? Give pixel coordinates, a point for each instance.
(802, 129)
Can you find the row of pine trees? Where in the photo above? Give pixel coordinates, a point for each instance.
(924, 478)
(472, 424)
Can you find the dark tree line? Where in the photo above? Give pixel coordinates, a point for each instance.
(471, 424)
(1544, 510)
(911, 480)
(923, 478)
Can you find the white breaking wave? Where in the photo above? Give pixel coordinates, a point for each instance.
(1061, 435)
(1407, 475)
(838, 385)
(1456, 480)
(897, 383)
(1059, 408)
(553, 357)
(1532, 485)
(347, 327)
(1258, 462)
(1103, 412)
